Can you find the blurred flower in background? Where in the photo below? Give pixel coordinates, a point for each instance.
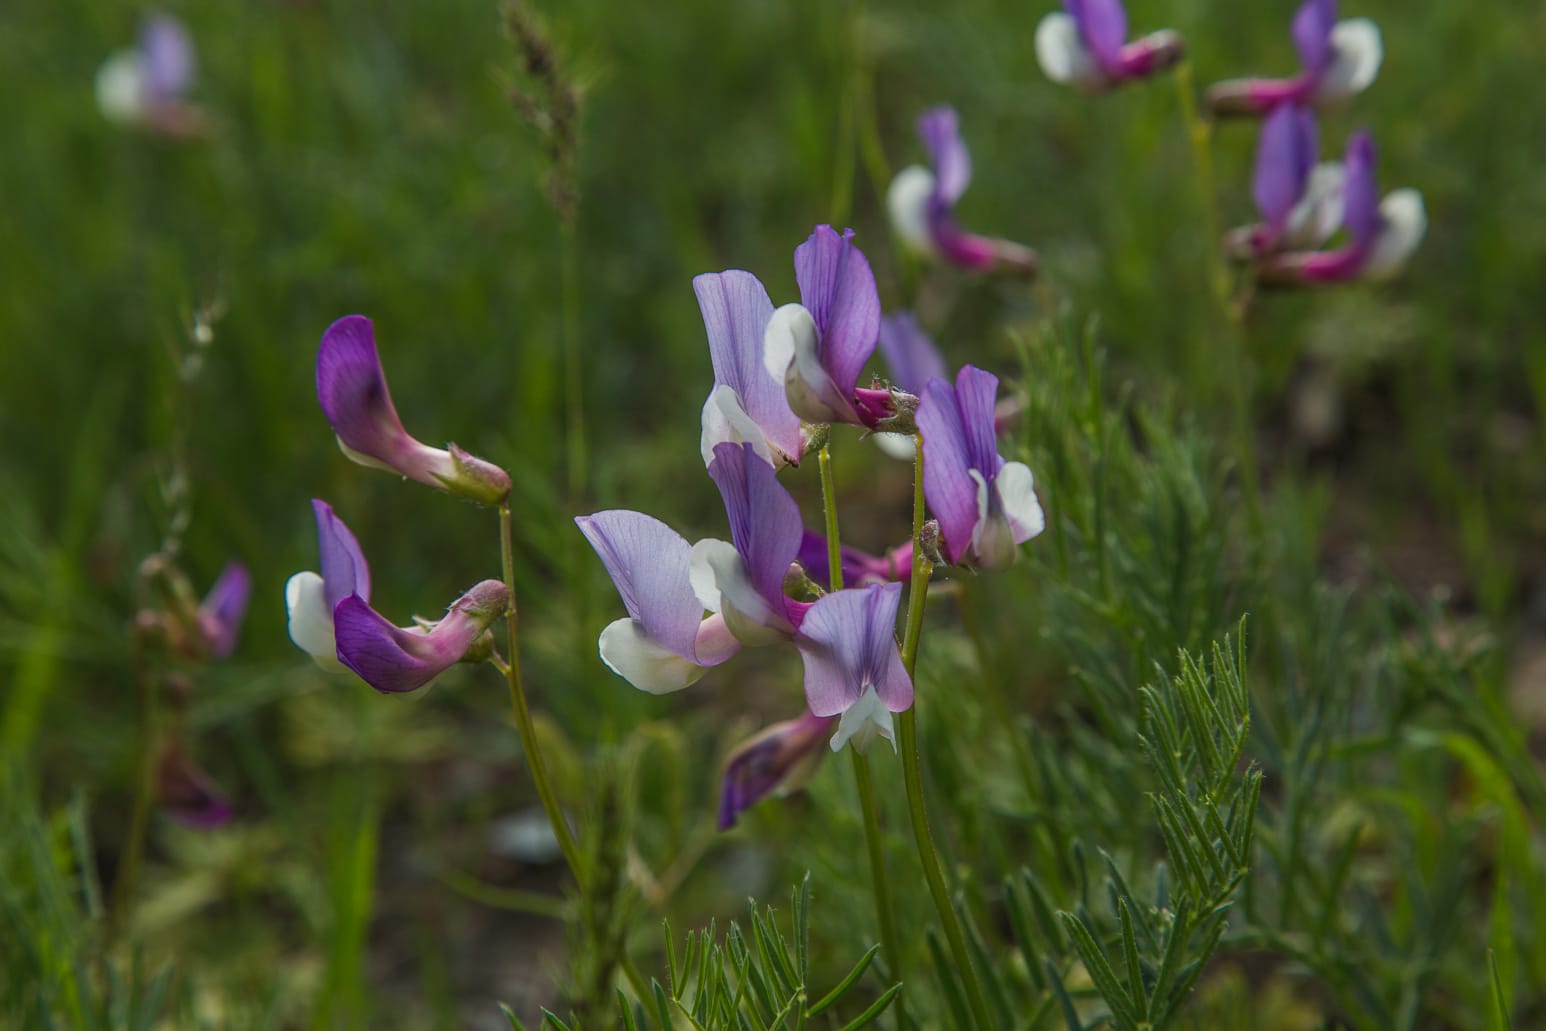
(146, 86)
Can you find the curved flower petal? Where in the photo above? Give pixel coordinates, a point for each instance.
(1319, 211)
(344, 571)
(765, 522)
(910, 354)
(1311, 29)
(907, 202)
(1063, 55)
(736, 311)
(1018, 501)
(863, 722)
(167, 55)
(1404, 221)
(311, 620)
(724, 586)
(725, 421)
(1357, 52)
(649, 562)
(220, 614)
(1103, 27)
(939, 129)
(393, 659)
(630, 652)
(775, 762)
(1360, 190)
(838, 289)
(947, 481)
(1284, 158)
(848, 644)
(977, 394)
(793, 346)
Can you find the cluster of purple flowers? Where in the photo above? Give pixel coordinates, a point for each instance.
(781, 375)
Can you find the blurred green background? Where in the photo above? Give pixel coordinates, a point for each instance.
(366, 158)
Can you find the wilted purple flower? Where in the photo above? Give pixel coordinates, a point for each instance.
(859, 567)
(818, 347)
(922, 203)
(985, 505)
(352, 390)
(1087, 47)
(311, 599)
(743, 579)
(221, 612)
(852, 666)
(186, 793)
(1339, 59)
(747, 405)
(774, 762)
(393, 659)
(1381, 234)
(146, 86)
(664, 643)
(1300, 201)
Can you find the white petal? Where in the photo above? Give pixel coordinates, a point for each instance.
(360, 458)
(636, 657)
(1405, 221)
(120, 87)
(779, 339)
(714, 643)
(791, 353)
(907, 201)
(311, 621)
(1063, 55)
(1357, 51)
(725, 421)
(863, 722)
(719, 579)
(1319, 211)
(898, 445)
(1017, 498)
(993, 540)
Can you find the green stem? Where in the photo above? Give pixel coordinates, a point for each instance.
(879, 883)
(912, 776)
(144, 787)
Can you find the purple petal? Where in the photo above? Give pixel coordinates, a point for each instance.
(736, 310)
(1103, 26)
(765, 524)
(910, 354)
(976, 395)
(1284, 157)
(220, 614)
(771, 761)
(1361, 191)
(167, 53)
(858, 567)
(1311, 29)
(939, 129)
(848, 643)
(649, 562)
(187, 794)
(947, 483)
(344, 571)
(838, 289)
(393, 659)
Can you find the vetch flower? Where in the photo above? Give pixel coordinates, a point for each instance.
(985, 505)
(859, 567)
(352, 389)
(743, 579)
(186, 793)
(1381, 234)
(746, 405)
(1300, 201)
(1087, 46)
(775, 762)
(220, 614)
(852, 666)
(311, 598)
(664, 643)
(393, 659)
(817, 348)
(1339, 60)
(146, 86)
(922, 203)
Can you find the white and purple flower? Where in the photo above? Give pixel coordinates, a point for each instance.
(746, 405)
(852, 667)
(1085, 45)
(148, 85)
(922, 203)
(1339, 59)
(985, 505)
(1300, 200)
(352, 390)
(310, 598)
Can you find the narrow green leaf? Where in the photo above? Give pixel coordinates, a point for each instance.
(1135, 987)
(1020, 924)
(515, 1022)
(550, 1019)
(1498, 1019)
(1065, 1002)
(874, 1010)
(1100, 972)
(848, 981)
(950, 988)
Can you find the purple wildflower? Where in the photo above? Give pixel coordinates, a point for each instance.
(1300, 201)
(223, 608)
(1087, 46)
(393, 659)
(1338, 60)
(147, 86)
(852, 666)
(746, 404)
(859, 568)
(311, 598)
(774, 762)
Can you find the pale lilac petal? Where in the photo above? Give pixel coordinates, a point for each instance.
(1361, 192)
(776, 761)
(838, 289)
(977, 398)
(221, 612)
(394, 659)
(649, 562)
(344, 571)
(848, 644)
(765, 523)
(1284, 158)
(167, 55)
(947, 481)
(736, 311)
(1311, 29)
(939, 129)
(1103, 26)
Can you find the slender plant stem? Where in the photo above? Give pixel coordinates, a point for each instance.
(144, 784)
(884, 912)
(928, 855)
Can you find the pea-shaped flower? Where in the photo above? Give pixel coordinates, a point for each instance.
(148, 85)
(852, 667)
(1300, 201)
(1338, 59)
(352, 390)
(1086, 46)
(774, 762)
(985, 505)
(221, 612)
(746, 405)
(310, 598)
(393, 659)
(921, 202)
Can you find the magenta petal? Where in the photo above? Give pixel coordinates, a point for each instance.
(1311, 29)
(1361, 192)
(769, 761)
(1103, 26)
(352, 389)
(167, 53)
(765, 524)
(736, 311)
(221, 613)
(838, 289)
(859, 567)
(939, 128)
(393, 659)
(1284, 157)
(848, 643)
(910, 354)
(344, 571)
(650, 563)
